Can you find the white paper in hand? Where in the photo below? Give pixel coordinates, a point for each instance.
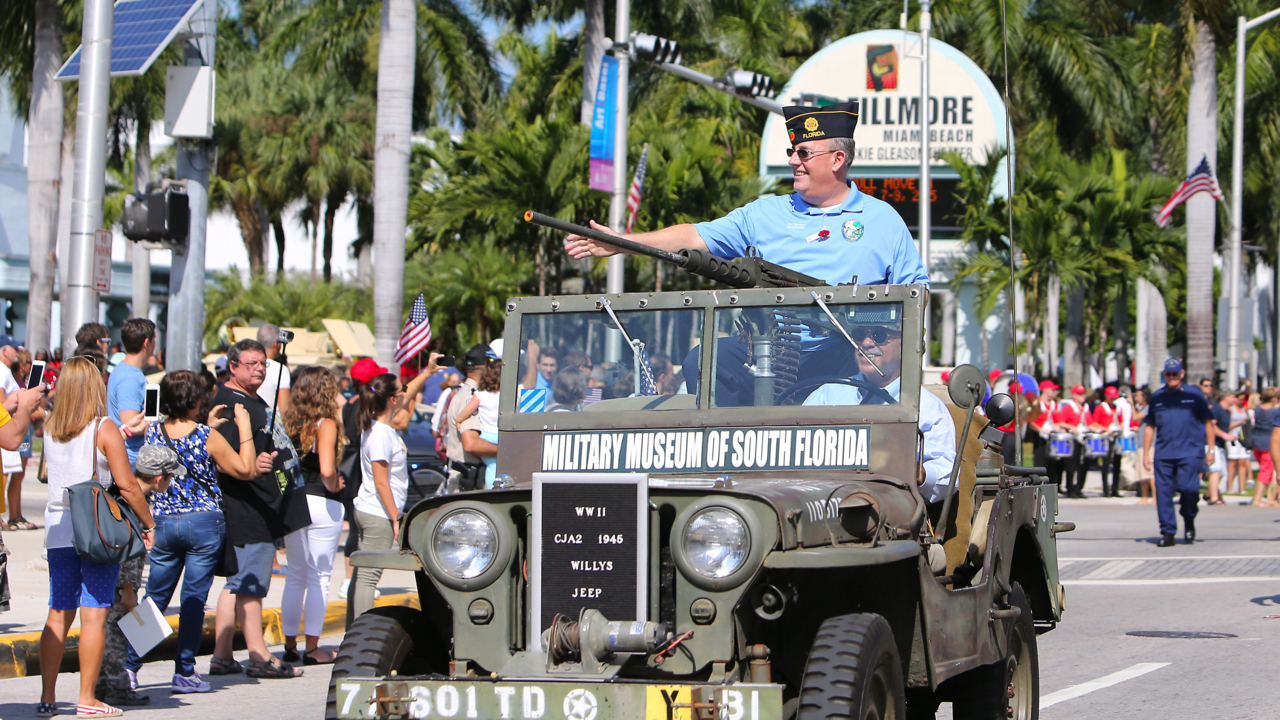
(145, 626)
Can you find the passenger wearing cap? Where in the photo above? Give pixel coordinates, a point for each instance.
(1181, 428)
(827, 229)
(879, 382)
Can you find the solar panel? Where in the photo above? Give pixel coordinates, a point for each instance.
(142, 30)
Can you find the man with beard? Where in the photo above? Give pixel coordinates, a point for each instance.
(878, 334)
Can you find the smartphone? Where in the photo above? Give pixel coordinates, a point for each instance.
(36, 376)
(151, 406)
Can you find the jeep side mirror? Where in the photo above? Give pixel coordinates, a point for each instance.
(999, 409)
(966, 386)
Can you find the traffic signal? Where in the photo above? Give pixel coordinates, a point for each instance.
(653, 49)
(751, 84)
(10, 317)
(156, 216)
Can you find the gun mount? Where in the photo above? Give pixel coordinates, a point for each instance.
(743, 272)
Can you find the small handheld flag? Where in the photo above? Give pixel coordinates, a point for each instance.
(1200, 180)
(637, 188)
(416, 334)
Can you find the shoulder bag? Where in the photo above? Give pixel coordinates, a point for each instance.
(104, 529)
(228, 564)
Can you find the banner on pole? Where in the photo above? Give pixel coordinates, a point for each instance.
(603, 120)
(102, 261)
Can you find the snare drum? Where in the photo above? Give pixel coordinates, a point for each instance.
(1127, 444)
(1096, 445)
(1061, 445)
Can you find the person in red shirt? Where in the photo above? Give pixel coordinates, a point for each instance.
(1046, 403)
(1105, 418)
(1070, 417)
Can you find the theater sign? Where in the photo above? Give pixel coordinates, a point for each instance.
(881, 70)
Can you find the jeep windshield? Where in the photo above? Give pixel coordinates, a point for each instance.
(819, 354)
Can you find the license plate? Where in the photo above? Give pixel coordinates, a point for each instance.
(489, 700)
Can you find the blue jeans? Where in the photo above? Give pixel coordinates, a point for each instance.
(1180, 475)
(191, 542)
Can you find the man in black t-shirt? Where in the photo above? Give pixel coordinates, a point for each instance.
(257, 512)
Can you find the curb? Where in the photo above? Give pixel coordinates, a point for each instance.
(20, 653)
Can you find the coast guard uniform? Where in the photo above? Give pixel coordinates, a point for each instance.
(1179, 417)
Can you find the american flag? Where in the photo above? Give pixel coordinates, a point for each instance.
(637, 187)
(1200, 180)
(647, 385)
(416, 335)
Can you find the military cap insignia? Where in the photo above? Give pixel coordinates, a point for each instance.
(853, 230)
(811, 124)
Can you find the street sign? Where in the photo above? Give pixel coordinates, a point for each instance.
(102, 261)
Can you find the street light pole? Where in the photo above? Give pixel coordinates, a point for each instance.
(926, 22)
(616, 268)
(90, 167)
(1243, 25)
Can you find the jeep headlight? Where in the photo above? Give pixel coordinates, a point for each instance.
(716, 542)
(465, 544)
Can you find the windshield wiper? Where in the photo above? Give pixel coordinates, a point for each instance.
(637, 351)
(840, 327)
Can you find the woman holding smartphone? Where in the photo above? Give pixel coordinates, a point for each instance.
(384, 483)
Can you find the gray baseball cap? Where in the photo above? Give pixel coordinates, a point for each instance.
(158, 460)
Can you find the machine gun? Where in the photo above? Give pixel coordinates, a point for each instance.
(743, 272)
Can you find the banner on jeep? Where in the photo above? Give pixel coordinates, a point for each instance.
(707, 449)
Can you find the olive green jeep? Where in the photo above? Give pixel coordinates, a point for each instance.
(728, 511)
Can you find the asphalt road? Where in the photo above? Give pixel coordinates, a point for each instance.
(1117, 581)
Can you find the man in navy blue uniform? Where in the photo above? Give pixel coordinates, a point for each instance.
(1183, 427)
(827, 229)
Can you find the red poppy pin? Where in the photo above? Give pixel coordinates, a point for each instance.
(824, 233)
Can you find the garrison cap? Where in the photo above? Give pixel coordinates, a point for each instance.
(806, 122)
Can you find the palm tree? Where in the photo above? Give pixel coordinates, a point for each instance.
(31, 49)
(466, 289)
(291, 301)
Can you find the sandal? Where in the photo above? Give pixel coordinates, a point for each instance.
(222, 666)
(310, 659)
(21, 524)
(268, 670)
(291, 655)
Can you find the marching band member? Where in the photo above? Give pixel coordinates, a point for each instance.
(1105, 419)
(1070, 417)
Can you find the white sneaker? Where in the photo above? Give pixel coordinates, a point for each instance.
(342, 590)
(193, 684)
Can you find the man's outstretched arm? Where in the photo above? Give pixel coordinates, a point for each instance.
(671, 239)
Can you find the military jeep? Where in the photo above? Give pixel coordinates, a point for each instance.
(727, 522)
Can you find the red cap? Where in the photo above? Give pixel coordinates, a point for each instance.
(1078, 390)
(1015, 387)
(1049, 385)
(1111, 392)
(991, 376)
(365, 370)
(946, 375)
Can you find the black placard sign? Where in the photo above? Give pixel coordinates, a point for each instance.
(590, 538)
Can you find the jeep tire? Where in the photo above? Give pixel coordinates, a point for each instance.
(853, 672)
(378, 642)
(1007, 689)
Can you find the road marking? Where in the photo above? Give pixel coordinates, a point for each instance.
(1113, 569)
(1106, 681)
(1169, 581)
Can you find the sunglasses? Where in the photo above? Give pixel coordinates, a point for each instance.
(805, 154)
(878, 335)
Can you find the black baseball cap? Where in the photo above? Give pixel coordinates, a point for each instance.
(477, 356)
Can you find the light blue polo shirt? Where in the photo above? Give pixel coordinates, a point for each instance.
(862, 236)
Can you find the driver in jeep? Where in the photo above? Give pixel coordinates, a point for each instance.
(878, 346)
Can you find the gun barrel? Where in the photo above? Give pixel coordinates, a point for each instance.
(621, 243)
